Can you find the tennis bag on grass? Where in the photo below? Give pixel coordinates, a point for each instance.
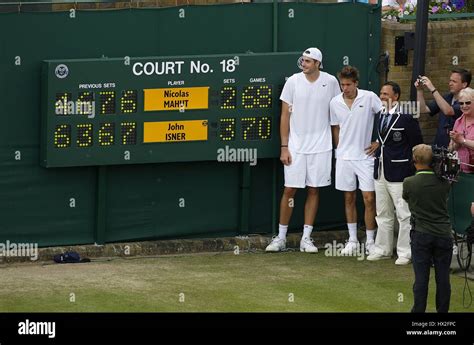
(70, 257)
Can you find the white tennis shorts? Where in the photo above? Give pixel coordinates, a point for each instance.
(312, 170)
(349, 172)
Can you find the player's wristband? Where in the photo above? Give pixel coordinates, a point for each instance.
(284, 146)
(432, 92)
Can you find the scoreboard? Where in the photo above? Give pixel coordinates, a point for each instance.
(161, 109)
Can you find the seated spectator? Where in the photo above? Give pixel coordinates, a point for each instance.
(462, 135)
(372, 2)
(388, 5)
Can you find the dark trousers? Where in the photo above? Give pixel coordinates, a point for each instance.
(425, 250)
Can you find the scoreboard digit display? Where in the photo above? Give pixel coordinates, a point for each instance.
(161, 109)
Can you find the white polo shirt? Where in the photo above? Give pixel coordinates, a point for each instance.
(310, 131)
(356, 124)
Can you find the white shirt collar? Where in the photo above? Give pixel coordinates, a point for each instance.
(392, 111)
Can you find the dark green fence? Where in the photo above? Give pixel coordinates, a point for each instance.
(114, 203)
(460, 199)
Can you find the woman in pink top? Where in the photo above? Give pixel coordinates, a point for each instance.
(462, 135)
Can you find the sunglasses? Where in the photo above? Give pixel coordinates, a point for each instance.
(466, 103)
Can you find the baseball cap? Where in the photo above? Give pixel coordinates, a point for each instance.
(314, 53)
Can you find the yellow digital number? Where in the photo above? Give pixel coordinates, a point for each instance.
(107, 102)
(63, 105)
(227, 129)
(85, 103)
(264, 96)
(248, 97)
(228, 97)
(106, 134)
(257, 96)
(128, 102)
(62, 136)
(264, 128)
(249, 128)
(129, 133)
(84, 135)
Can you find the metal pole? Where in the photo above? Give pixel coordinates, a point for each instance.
(275, 26)
(275, 160)
(421, 33)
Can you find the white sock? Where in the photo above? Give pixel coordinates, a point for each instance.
(307, 231)
(352, 232)
(282, 230)
(370, 235)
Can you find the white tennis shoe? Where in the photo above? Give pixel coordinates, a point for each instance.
(277, 245)
(306, 245)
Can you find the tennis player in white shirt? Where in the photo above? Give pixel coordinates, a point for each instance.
(352, 120)
(306, 148)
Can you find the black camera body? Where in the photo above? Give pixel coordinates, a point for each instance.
(445, 164)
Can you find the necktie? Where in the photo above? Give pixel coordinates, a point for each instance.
(384, 124)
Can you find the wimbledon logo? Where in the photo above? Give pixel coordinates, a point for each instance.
(61, 71)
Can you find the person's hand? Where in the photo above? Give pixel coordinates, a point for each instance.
(425, 81)
(418, 85)
(285, 156)
(457, 137)
(472, 209)
(372, 148)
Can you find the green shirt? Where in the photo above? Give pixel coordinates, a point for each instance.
(427, 198)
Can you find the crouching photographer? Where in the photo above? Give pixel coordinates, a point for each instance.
(431, 238)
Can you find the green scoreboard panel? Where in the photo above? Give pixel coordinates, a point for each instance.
(161, 109)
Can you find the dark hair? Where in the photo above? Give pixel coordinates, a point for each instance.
(349, 72)
(466, 75)
(395, 87)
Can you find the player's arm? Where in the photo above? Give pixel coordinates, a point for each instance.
(374, 146)
(376, 110)
(335, 135)
(334, 123)
(285, 155)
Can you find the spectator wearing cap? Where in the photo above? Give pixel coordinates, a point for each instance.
(306, 148)
(447, 106)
